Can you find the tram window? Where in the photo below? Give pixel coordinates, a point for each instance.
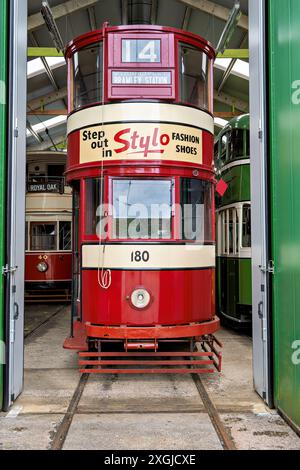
(196, 198)
(65, 235)
(237, 234)
(142, 209)
(56, 170)
(43, 236)
(247, 143)
(193, 79)
(224, 147)
(88, 75)
(231, 232)
(225, 247)
(246, 233)
(233, 229)
(216, 151)
(93, 201)
(236, 144)
(26, 235)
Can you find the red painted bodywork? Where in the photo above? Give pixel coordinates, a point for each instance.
(183, 301)
(59, 267)
(177, 297)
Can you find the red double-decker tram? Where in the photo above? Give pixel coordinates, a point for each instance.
(48, 256)
(140, 161)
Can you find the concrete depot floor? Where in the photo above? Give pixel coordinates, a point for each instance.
(134, 412)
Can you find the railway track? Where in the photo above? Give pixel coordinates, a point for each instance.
(224, 437)
(206, 405)
(34, 330)
(47, 296)
(61, 433)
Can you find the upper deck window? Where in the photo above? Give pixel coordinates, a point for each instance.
(235, 144)
(238, 144)
(193, 76)
(88, 75)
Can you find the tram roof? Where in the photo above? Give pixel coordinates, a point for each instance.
(47, 89)
(239, 122)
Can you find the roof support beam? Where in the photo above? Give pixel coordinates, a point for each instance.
(234, 103)
(45, 63)
(231, 65)
(41, 101)
(216, 10)
(48, 112)
(229, 27)
(33, 133)
(36, 21)
(124, 12)
(234, 54)
(43, 52)
(92, 18)
(52, 52)
(47, 144)
(153, 15)
(226, 115)
(186, 19)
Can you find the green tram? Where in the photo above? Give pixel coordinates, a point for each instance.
(233, 218)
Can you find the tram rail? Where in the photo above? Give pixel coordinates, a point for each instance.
(206, 406)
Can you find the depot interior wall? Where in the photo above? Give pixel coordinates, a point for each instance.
(284, 96)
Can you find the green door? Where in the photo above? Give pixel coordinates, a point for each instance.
(284, 112)
(3, 153)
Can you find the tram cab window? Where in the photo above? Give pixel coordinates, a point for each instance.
(64, 235)
(196, 205)
(88, 75)
(43, 236)
(236, 144)
(246, 232)
(93, 202)
(142, 209)
(193, 76)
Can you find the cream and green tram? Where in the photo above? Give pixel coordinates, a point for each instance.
(232, 158)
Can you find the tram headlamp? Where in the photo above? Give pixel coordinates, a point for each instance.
(42, 267)
(140, 298)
